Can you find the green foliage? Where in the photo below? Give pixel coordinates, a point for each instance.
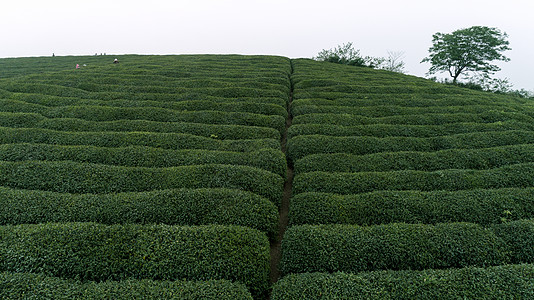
(348, 248)
(500, 282)
(302, 146)
(520, 176)
(181, 140)
(409, 159)
(107, 81)
(195, 141)
(137, 100)
(343, 54)
(479, 159)
(387, 130)
(172, 207)
(491, 116)
(191, 105)
(466, 50)
(450, 98)
(480, 206)
(89, 251)
(175, 141)
(519, 236)
(482, 82)
(36, 286)
(223, 132)
(268, 159)
(346, 55)
(106, 113)
(340, 90)
(71, 177)
(390, 110)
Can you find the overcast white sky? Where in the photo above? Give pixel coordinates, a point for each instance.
(299, 28)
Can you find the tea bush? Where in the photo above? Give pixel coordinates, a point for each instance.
(519, 236)
(349, 248)
(175, 141)
(500, 282)
(520, 176)
(137, 156)
(481, 206)
(173, 207)
(301, 146)
(387, 130)
(107, 113)
(89, 251)
(481, 158)
(491, 116)
(37, 286)
(413, 100)
(391, 110)
(71, 177)
(220, 132)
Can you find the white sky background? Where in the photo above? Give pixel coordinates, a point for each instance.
(297, 28)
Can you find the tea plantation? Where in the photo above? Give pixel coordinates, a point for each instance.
(255, 177)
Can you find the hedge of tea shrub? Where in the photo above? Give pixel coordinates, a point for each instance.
(65, 91)
(221, 132)
(481, 206)
(90, 251)
(145, 99)
(189, 94)
(482, 158)
(38, 286)
(107, 113)
(399, 246)
(173, 207)
(333, 95)
(184, 96)
(138, 84)
(376, 91)
(386, 130)
(40, 88)
(519, 236)
(185, 105)
(176, 141)
(72, 177)
(413, 100)
(17, 120)
(277, 82)
(300, 146)
(519, 175)
(310, 90)
(498, 282)
(392, 110)
(491, 116)
(268, 159)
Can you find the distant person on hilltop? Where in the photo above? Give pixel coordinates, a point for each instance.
(116, 61)
(77, 66)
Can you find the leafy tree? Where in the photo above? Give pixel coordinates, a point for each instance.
(466, 50)
(394, 62)
(347, 55)
(342, 54)
(494, 85)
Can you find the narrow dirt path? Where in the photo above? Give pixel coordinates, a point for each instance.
(284, 209)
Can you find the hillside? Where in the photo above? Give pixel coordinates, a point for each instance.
(238, 177)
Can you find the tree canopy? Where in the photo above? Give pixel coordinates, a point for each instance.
(343, 54)
(346, 54)
(467, 50)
